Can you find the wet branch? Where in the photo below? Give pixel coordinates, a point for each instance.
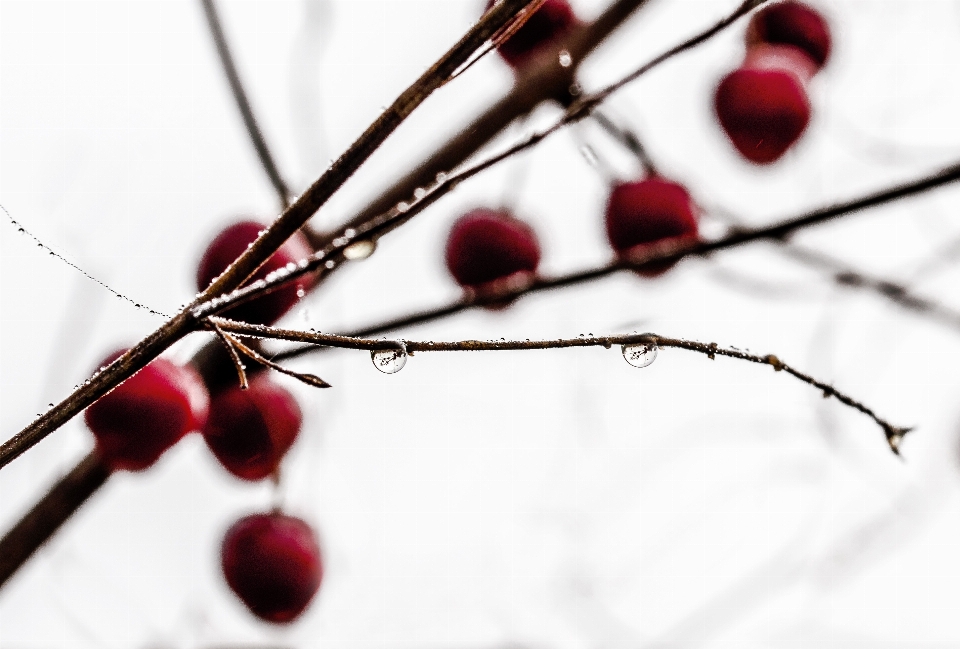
(894, 434)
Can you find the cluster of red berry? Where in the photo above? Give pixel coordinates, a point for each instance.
(272, 560)
(763, 105)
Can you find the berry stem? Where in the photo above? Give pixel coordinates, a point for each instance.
(243, 103)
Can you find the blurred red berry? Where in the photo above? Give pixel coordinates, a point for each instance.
(490, 251)
(762, 111)
(551, 21)
(230, 244)
(272, 562)
(792, 23)
(648, 212)
(250, 430)
(147, 414)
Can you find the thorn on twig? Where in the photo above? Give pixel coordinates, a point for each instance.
(310, 379)
(895, 436)
(232, 350)
(712, 353)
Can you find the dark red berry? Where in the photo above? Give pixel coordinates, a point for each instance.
(147, 414)
(272, 562)
(250, 430)
(490, 251)
(550, 22)
(648, 212)
(763, 112)
(792, 23)
(230, 244)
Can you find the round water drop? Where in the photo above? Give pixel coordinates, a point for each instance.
(301, 293)
(565, 59)
(389, 361)
(419, 193)
(640, 354)
(403, 207)
(360, 250)
(442, 177)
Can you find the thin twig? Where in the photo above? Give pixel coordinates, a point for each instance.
(894, 434)
(243, 104)
(272, 238)
(628, 139)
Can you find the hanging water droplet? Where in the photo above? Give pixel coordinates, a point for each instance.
(640, 354)
(565, 59)
(419, 193)
(349, 233)
(442, 177)
(403, 207)
(389, 361)
(360, 250)
(330, 264)
(301, 293)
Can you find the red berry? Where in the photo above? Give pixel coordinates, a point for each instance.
(250, 430)
(147, 414)
(272, 562)
(490, 251)
(763, 112)
(792, 23)
(647, 212)
(551, 21)
(230, 244)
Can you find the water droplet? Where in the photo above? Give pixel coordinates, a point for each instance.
(291, 267)
(575, 89)
(403, 207)
(442, 177)
(360, 250)
(565, 59)
(349, 233)
(301, 293)
(389, 361)
(640, 354)
(419, 193)
(330, 264)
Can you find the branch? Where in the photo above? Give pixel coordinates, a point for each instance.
(243, 104)
(648, 344)
(50, 513)
(272, 238)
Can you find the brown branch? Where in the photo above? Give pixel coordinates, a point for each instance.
(243, 104)
(894, 434)
(39, 524)
(272, 238)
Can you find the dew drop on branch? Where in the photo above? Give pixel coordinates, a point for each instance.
(360, 250)
(640, 354)
(565, 59)
(389, 361)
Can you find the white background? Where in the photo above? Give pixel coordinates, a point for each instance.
(540, 499)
